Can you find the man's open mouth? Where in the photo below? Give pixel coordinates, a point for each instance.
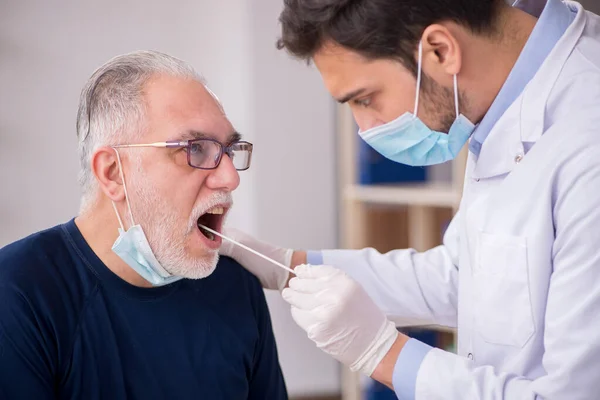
(212, 219)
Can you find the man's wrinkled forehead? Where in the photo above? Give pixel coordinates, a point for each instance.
(176, 106)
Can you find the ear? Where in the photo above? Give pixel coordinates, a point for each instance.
(442, 57)
(105, 168)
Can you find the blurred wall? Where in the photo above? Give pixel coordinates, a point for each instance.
(49, 49)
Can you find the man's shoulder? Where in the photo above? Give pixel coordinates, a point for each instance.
(571, 121)
(40, 266)
(573, 98)
(28, 256)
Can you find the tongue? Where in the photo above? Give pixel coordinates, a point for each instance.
(209, 235)
(203, 220)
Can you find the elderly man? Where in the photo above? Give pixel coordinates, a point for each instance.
(129, 300)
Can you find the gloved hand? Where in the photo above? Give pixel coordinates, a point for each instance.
(269, 275)
(340, 317)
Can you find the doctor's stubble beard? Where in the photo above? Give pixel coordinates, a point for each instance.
(167, 231)
(438, 103)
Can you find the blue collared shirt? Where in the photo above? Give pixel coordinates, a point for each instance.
(553, 22)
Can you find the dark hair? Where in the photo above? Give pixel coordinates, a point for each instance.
(377, 28)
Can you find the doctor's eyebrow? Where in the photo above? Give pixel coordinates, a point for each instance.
(351, 95)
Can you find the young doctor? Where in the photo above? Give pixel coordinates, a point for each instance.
(519, 270)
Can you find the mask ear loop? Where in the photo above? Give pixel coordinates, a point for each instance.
(118, 216)
(456, 95)
(419, 79)
(126, 194)
(456, 105)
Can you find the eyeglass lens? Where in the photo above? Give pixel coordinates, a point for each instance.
(206, 154)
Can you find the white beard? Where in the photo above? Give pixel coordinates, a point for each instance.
(166, 231)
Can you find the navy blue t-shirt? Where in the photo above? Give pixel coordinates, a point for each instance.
(71, 329)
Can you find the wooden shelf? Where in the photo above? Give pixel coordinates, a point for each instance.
(425, 195)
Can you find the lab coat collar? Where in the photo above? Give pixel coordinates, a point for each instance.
(523, 121)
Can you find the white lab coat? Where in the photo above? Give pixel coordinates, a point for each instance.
(519, 270)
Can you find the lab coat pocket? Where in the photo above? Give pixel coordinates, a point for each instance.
(503, 309)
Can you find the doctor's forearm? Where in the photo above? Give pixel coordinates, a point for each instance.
(403, 283)
(399, 369)
(385, 370)
(298, 258)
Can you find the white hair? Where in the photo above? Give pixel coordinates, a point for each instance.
(111, 106)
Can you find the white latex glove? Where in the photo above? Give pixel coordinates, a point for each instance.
(269, 275)
(340, 317)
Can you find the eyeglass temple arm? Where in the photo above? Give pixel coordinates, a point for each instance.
(155, 144)
(175, 143)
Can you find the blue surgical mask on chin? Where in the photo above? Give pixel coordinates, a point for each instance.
(407, 140)
(132, 247)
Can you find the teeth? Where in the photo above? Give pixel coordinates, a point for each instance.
(216, 210)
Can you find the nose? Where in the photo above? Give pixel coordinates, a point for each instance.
(225, 177)
(366, 121)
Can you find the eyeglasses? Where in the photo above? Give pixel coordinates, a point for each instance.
(207, 153)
